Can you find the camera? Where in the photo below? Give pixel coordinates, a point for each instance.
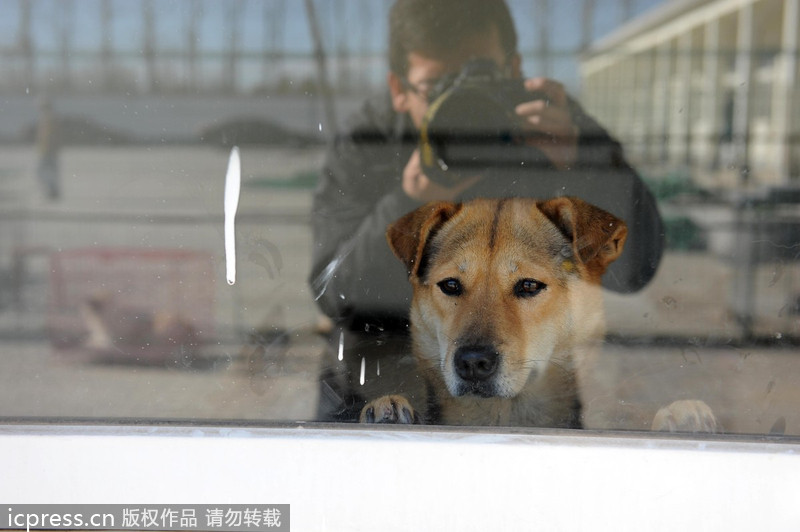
(470, 127)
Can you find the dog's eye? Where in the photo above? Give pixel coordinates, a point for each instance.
(451, 287)
(528, 287)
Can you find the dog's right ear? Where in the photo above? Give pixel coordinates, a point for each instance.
(408, 235)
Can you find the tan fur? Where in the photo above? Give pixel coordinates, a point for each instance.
(539, 343)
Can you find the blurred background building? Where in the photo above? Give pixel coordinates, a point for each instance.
(272, 50)
(703, 86)
(709, 85)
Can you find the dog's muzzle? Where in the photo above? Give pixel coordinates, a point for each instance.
(476, 367)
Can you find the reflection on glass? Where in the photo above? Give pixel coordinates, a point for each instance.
(117, 121)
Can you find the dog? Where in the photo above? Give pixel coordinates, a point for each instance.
(116, 332)
(507, 310)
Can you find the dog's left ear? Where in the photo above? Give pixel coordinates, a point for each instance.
(597, 236)
(408, 235)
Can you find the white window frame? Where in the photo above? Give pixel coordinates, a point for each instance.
(346, 478)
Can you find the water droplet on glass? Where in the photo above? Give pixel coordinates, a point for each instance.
(233, 178)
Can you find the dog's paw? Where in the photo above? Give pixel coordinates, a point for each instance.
(686, 416)
(390, 409)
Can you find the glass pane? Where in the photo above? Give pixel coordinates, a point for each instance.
(676, 124)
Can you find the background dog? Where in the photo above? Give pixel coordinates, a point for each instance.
(116, 332)
(507, 309)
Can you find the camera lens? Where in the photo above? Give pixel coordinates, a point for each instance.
(465, 133)
(471, 128)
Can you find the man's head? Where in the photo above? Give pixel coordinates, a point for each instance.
(431, 38)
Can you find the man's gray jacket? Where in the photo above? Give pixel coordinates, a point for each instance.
(354, 276)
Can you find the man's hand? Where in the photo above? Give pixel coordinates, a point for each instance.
(551, 117)
(417, 186)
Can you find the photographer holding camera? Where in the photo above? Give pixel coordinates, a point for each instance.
(459, 122)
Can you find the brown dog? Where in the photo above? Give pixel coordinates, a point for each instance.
(506, 303)
(508, 311)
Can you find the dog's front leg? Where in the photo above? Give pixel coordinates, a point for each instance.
(390, 409)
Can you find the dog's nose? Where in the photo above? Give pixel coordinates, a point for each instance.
(476, 363)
